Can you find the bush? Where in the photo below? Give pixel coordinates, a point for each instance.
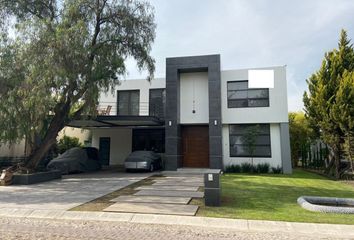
(68, 142)
(233, 168)
(263, 168)
(247, 168)
(276, 170)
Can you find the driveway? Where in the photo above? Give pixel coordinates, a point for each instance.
(70, 191)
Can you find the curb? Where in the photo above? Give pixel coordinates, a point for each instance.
(336, 230)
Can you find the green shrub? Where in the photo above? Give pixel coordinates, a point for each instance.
(276, 170)
(246, 168)
(68, 142)
(263, 168)
(233, 168)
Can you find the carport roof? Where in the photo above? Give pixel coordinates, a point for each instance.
(116, 121)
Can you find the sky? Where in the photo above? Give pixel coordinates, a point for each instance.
(251, 34)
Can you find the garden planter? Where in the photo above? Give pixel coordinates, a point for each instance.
(26, 179)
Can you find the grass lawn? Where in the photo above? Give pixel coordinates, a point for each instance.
(273, 197)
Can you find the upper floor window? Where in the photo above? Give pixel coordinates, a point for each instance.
(128, 102)
(157, 100)
(240, 96)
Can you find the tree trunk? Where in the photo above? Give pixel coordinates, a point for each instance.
(56, 125)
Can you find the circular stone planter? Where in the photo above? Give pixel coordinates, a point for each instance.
(327, 204)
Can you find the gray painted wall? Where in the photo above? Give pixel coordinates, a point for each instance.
(175, 66)
(285, 148)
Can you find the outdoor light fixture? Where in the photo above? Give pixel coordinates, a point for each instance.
(215, 122)
(169, 123)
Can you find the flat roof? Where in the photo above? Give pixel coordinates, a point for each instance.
(116, 121)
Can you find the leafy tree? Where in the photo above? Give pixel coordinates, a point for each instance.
(322, 100)
(66, 142)
(57, 56)
(300, 135)
(250, 139)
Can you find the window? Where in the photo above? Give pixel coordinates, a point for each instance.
(128, 103)
(240, 96)
(238, 140)
(157, 99)
(149, 139)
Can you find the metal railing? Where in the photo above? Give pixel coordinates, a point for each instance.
(143, 109)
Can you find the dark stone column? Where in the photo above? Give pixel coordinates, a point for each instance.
(174, 66)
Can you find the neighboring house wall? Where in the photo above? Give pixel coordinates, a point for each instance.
(120, 146)
(83, 135)
(18, 149)
(194, 96)
(13, 150)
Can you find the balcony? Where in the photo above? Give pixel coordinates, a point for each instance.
(141, 109)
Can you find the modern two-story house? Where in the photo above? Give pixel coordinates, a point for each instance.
(197, 116)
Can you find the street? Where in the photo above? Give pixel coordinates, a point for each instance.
(25, 228)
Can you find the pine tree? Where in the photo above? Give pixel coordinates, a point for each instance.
(322, 103)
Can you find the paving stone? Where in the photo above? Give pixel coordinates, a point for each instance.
(171, 183)
(171, 187)
(170, 193)
(152, 199)
(153, 208)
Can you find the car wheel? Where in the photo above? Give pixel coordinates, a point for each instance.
(151, 167)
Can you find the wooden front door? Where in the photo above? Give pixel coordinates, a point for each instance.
(104, 150)
(195, 146)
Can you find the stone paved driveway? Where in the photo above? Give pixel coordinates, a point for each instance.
(68, 192)
(26, 229)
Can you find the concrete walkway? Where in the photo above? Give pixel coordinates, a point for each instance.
(311, 229)
(163, 196)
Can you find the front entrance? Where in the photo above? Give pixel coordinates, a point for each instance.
(195, 146)
(104, 150)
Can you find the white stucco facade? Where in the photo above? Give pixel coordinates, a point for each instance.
(194, 98)
(278, 101)
(120, 145)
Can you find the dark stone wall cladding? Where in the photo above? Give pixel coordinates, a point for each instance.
(175, 66)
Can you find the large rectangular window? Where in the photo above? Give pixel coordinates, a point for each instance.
(157, 100)
(250, 140)
(240, 96)
(128, 102)
(149, 140)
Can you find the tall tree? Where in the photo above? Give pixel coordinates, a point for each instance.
(57, 56)
(343, 112)
(321, 101)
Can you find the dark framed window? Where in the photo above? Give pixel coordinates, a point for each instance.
(238, 140)
(157, 101)
(240, 96)
(149, 140)
(128, 102)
